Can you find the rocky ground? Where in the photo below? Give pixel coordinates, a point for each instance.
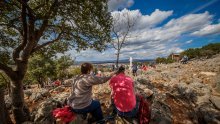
(182, 94)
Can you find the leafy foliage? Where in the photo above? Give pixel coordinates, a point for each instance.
(62, 64)
(74, 71)
(164, 60)
(41, 67)
(47, 26)
(4, 80)
(206, 51)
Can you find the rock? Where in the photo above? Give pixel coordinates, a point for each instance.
(44, 92)
(217, 88)
(148, 92)
(43, 112)
(146, 82)
(68, 82)
(28, 93)
(59, 89)
(216, 101)
(160, 113)
(8, 101)
(36, 96)
(208, 73)
(207, 114)
(182, 91)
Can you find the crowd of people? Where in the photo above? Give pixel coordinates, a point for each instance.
(124, 99)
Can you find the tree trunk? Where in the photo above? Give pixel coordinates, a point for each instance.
(41, 82)
(4, 116)
(21, 113)
(117, 61)
(9, 89)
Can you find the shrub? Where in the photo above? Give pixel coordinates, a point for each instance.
(74, 71)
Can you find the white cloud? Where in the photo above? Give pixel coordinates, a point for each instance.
(189, 22)
(208, 30)
(141, 21)
(189, 41)
(151, 41)
(119, 4)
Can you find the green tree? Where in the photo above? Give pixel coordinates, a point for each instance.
(206, 51)
(214, 47)
(41, 67)
(62, 64)
(164, 60)
(74, 71)
(34, 26)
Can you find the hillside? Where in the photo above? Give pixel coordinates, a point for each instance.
(182, 94)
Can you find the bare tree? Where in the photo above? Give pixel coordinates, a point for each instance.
(122, 26)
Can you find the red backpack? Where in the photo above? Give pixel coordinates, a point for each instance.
(144, 113)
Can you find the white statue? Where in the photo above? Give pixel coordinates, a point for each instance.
(130, 66)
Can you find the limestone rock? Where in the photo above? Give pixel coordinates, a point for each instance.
(43, 113)
(216, 101)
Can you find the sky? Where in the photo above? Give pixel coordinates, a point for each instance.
(161, 27)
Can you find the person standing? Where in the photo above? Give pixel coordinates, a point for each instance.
(134, 69)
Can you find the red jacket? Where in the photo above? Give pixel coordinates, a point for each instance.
(123, 92)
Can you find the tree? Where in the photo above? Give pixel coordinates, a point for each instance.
(121, 28)
(62, 64)
(4, 116)
(41, 67)
(34, 26)
(206, 51)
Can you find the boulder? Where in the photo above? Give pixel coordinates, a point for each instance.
(160, 113)
(208, 73)
(39, 95)
(215, 101)
(36, 96)
(207, 114)
(43, 112)
(28, 93)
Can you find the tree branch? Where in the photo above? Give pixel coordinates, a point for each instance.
(7, 70)
(47, 43)
(30, 11)
(17, 51)
(39, 33)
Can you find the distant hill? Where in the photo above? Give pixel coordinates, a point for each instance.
(113, 61)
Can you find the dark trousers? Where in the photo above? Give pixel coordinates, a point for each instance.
(130, 114)
(94, 108)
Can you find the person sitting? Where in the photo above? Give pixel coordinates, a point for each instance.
(81, 96)
(184, 59)
(123, 94)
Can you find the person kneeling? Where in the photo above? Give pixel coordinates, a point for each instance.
(123, 94)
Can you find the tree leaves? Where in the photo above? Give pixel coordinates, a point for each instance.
(82, 23)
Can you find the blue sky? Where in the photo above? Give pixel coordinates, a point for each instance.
(163, 27)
